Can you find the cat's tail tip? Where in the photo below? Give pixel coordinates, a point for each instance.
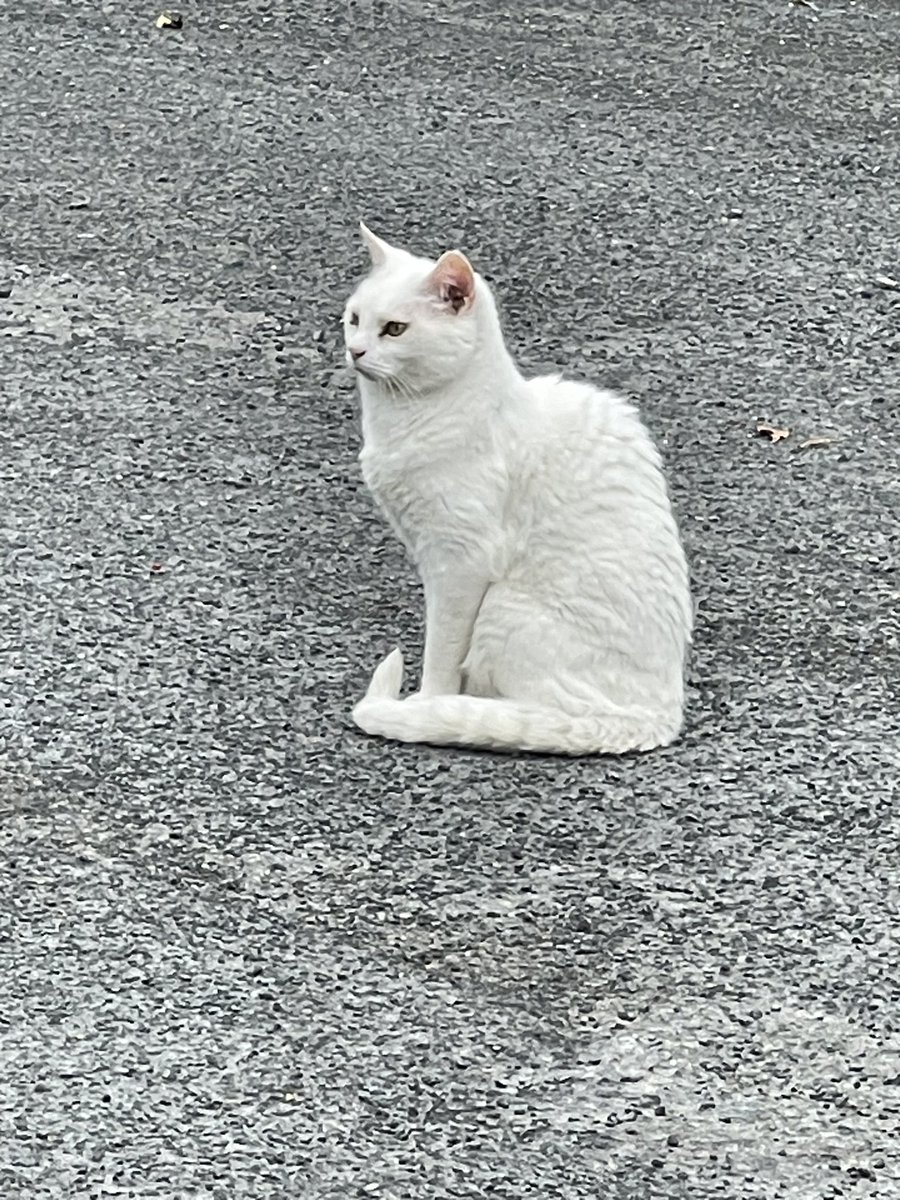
(387, 678)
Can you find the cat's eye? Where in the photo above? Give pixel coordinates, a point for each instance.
(393, 328)
(354, 319)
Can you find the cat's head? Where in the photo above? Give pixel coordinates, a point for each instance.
(412, 323)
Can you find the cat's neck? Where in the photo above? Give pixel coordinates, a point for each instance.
(489, 382)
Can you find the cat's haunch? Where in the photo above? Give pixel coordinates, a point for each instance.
(557, 604)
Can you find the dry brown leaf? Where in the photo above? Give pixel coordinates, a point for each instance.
(773, 432)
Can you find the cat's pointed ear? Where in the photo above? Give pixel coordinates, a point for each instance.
(378, 249)
(453, 281)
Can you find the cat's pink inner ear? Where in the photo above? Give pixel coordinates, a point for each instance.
(378, 249)
(453, 280)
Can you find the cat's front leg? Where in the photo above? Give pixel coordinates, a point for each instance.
(453, 596)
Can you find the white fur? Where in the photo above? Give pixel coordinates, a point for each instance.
(558, 614)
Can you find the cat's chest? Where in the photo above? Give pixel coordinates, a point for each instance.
(427, 497)
(404, 486)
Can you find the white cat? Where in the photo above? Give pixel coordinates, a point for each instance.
(557, 605)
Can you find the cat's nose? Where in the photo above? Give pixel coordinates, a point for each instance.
(356, 353)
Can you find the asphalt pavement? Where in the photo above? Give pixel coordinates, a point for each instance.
(247, 952)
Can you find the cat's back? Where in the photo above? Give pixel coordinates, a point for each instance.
(589, 468)
(593, 510)
(584, 428)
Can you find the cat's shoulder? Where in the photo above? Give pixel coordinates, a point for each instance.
(579, 399)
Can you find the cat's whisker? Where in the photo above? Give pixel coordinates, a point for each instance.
(398, 387)
(406, 390)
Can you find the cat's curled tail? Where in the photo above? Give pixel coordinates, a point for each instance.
(494, 724)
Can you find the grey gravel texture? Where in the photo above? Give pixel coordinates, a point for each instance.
(244, 951)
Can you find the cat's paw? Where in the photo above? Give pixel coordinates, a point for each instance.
(387, 678)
